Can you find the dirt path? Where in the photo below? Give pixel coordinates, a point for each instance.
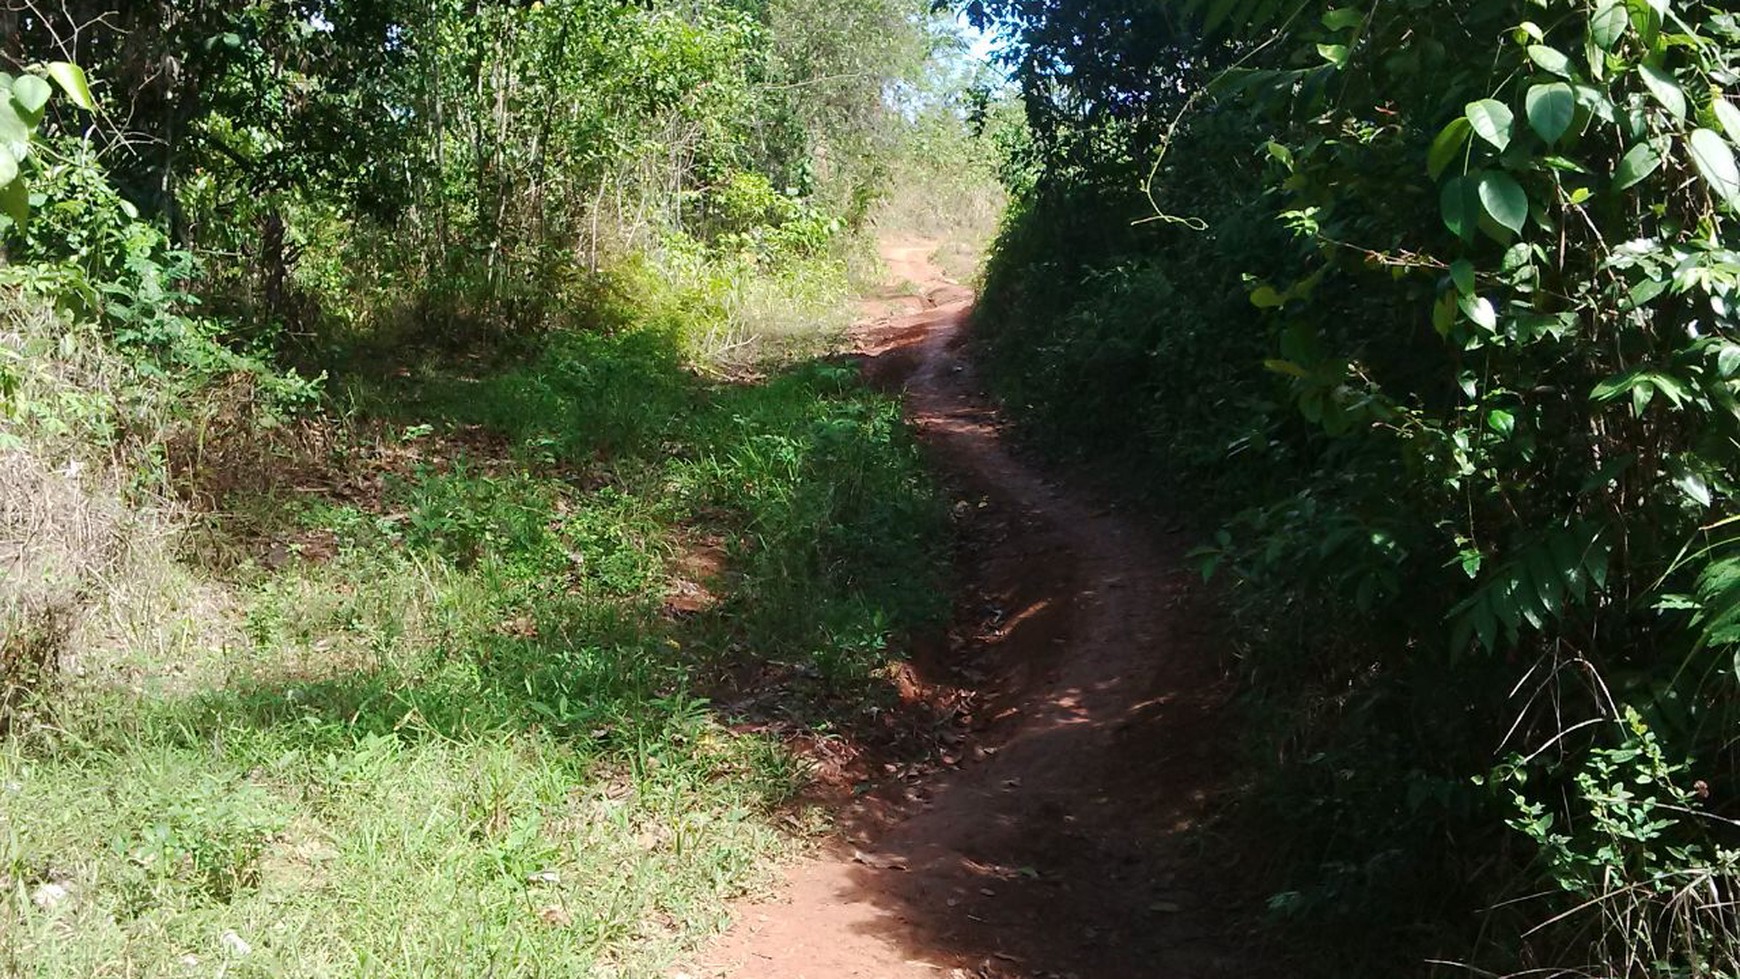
(1060, 845)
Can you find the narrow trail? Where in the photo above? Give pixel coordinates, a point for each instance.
(1061, 846)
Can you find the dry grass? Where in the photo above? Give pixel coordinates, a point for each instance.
(87, 540)
(60, 540)
(959, 203)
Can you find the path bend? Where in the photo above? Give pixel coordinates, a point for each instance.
(1066, 849)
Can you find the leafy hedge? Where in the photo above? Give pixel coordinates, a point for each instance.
(1434, 305)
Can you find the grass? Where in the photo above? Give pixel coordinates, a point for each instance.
(423, 706)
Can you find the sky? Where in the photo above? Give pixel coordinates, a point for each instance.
(980, 42)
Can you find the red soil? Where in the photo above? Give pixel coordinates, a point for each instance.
(1065, 840)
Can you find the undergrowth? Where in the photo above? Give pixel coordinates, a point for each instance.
(427, 517)
(421, 699)
(1428, 309)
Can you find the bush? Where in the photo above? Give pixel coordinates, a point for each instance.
(1431, 310)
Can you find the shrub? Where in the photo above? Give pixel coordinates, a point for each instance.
(1438, 327)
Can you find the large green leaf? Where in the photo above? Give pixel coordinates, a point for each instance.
(1550, 109)
(1728, 115)
(1728, 360)
(1491, 119)
(1479, 311)
(1462, 274)
(14, 131)
(1714, 159)
(1639, 162)
(8, 169)
(31, 93)
(15, 200)
(1503, 199)
(1447, 144)
(1608, 25)
(1460, 206)
(72, 81)
(1664, 88)
(1550, 59)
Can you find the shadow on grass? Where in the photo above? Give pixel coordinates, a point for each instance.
(554, 565)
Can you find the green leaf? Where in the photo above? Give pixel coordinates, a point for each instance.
(1595, 102)
(1444, 314)
(1642, 393)
(15, 201)
(1608, 25)
(31, 93)
(1335, 54)
(1550, 109)
(1462, 273)
(1550, 59)
(1492, 119)
(1728, 360)
(1342, 18)
(1644, 293)
(1503, 200)
(1638, 163)
(1613, 387)
(1728, 115)
(1694, 487)
(1447, 144)
(1479, 311)
(1267, 297)
(1501, 421)
(1715, 161)
(72, 81)
(1460, 206)
(8, 170)
(1664, 88)
(14, 131)
(1595, 560)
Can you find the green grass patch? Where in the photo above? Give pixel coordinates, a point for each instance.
(469, 736)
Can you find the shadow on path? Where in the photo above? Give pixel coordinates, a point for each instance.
(1068, 843)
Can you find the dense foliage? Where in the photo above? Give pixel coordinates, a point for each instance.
(347, 166)
(1433, 306)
